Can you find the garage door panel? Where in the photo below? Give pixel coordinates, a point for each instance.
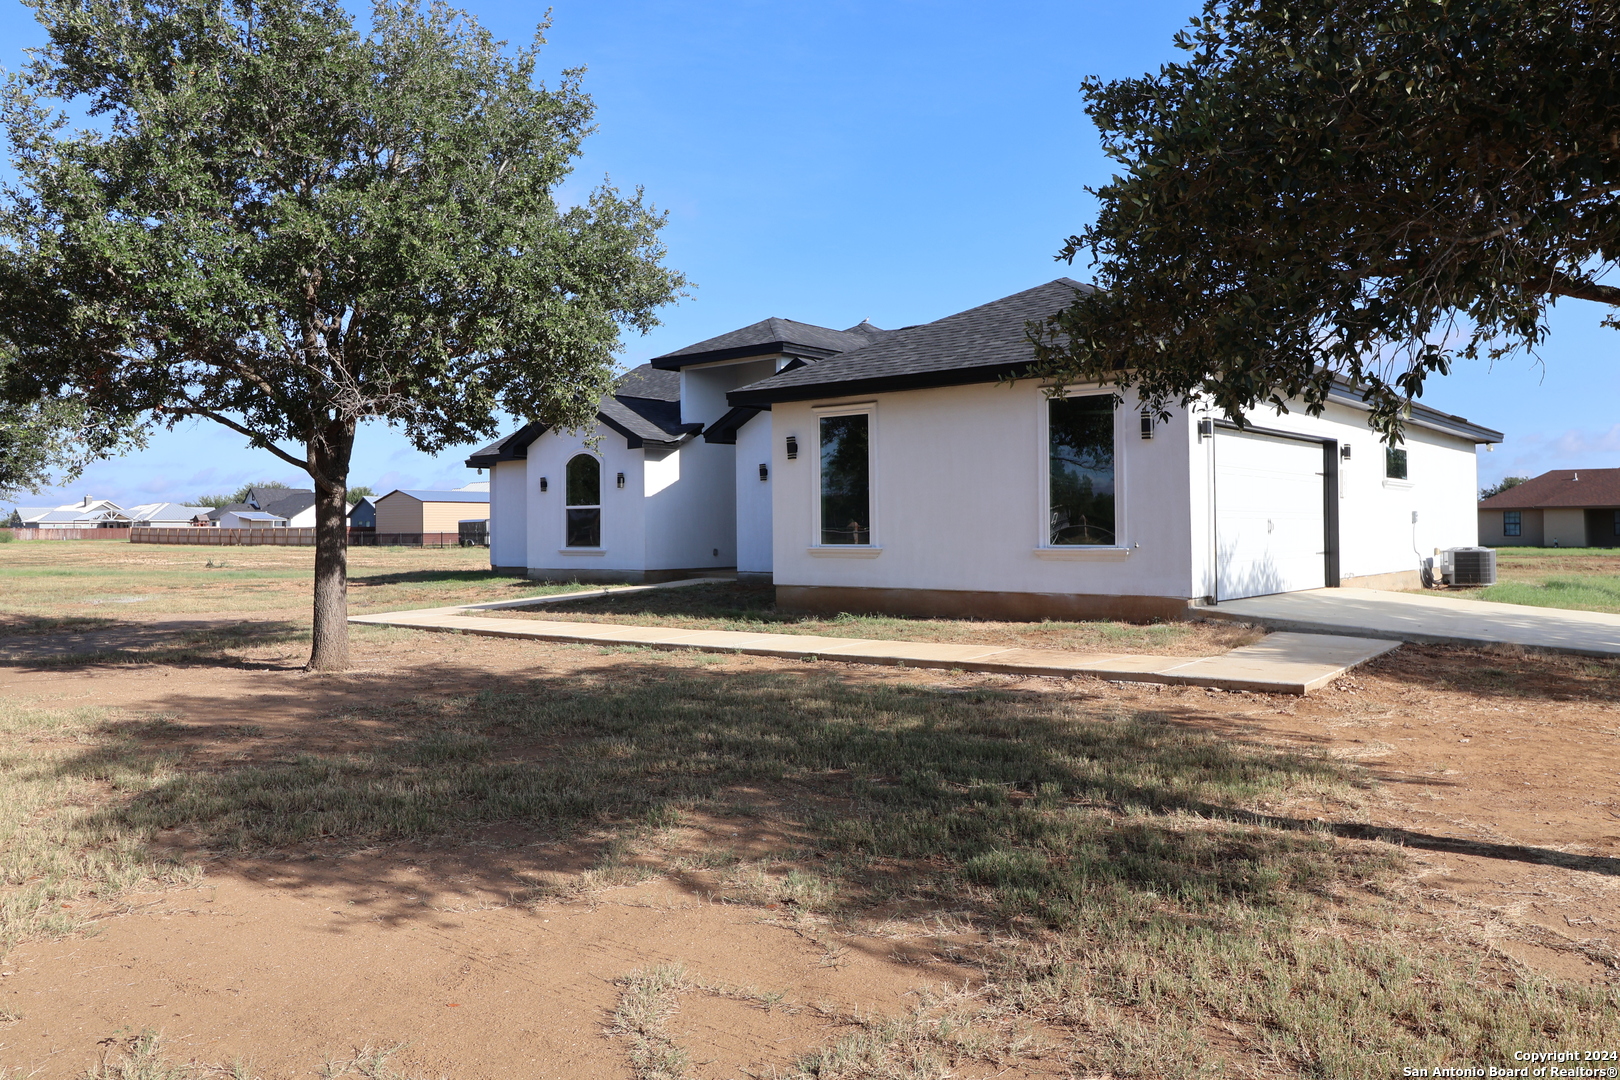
(1269, 526)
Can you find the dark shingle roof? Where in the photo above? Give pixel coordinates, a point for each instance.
(1568, 488)
(771, 337)
(647, 381)
(289, 504)
(645, 407)
(981, 344)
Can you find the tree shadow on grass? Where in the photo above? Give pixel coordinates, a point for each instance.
(176, 641)
(983, 801)
(440, 577)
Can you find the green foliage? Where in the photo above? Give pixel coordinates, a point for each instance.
(1361, 190)
(47, 439)
(355, 494)
(1502, 485)
(287, 227)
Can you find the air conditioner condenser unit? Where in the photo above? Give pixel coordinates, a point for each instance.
(1468, 566)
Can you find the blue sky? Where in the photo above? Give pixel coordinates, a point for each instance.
(835, 161)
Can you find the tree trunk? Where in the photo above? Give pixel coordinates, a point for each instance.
(329, 457)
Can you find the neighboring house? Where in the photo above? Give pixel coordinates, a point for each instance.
(295, 508)
(88, 513)
(640, 497)
(918, 471)
(1562, 508)
(165, 515)
(402, 511)
(242, 517)
(363, 514)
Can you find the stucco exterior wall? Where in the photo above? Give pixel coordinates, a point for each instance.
(1377, 535)
(623, 553)
(1564, 528)
(691, 508)
(1531, 529)
(958, 501)
(508, 515)
(753, 449)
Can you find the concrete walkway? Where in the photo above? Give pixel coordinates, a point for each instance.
(1281, 664)
(1429, 618)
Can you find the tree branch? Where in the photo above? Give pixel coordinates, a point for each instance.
(258, 440)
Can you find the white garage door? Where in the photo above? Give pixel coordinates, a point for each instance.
(1269, 535)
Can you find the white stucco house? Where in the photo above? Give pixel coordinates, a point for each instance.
(919, 471)
(658, 496)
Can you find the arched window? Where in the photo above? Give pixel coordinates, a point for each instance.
(584, 501)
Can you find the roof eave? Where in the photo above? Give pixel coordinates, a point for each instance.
(879, 384)
(676, 361)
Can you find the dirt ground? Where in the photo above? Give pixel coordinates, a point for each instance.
(1494, 768)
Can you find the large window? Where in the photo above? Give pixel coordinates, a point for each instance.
(846, 479)
(584, 501)
(1512, 523)
(1394, 463)
(1081, 471)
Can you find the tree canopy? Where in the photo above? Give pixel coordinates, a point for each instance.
(286, 226)
(1361, 190)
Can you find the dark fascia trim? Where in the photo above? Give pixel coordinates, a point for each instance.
(724, 430)
(882, 384)
(740, 352)
(1422, 416)
(514, 448)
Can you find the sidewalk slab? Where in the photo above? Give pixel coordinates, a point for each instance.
(1284, 663)
(1427, 618)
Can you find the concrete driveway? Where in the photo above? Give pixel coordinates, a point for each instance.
(1429, 618)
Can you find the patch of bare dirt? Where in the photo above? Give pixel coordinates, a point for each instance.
(1495, 772)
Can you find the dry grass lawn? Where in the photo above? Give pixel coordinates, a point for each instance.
(480, 858)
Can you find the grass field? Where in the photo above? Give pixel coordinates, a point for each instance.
(1583, 578)
(1140, 895)
(1115, 856)
(64, 583)
(752, 608)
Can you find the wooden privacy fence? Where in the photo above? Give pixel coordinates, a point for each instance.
(70, 534)
(287, 538)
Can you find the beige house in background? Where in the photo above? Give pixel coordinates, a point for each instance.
(402, 511)
(1563, 508)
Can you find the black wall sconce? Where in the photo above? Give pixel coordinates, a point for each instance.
(542, 483)
(621, 480)
(1147, 424)
(1344, 452)
(764, 473)
(792, 447)
(1206, 429)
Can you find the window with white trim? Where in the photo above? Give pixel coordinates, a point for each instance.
(844, 498)
(582, 487)
(1394, 463)
(1512, 523)
(1081, 505)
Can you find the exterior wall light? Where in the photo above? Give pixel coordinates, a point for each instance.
(620, 481)
(1344, 452)
(764, 472)
(1147, 424)
(542, 483)
(1206, 429)
(792, 447)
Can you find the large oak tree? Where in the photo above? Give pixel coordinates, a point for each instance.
(286, 225)
(1353, 189)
